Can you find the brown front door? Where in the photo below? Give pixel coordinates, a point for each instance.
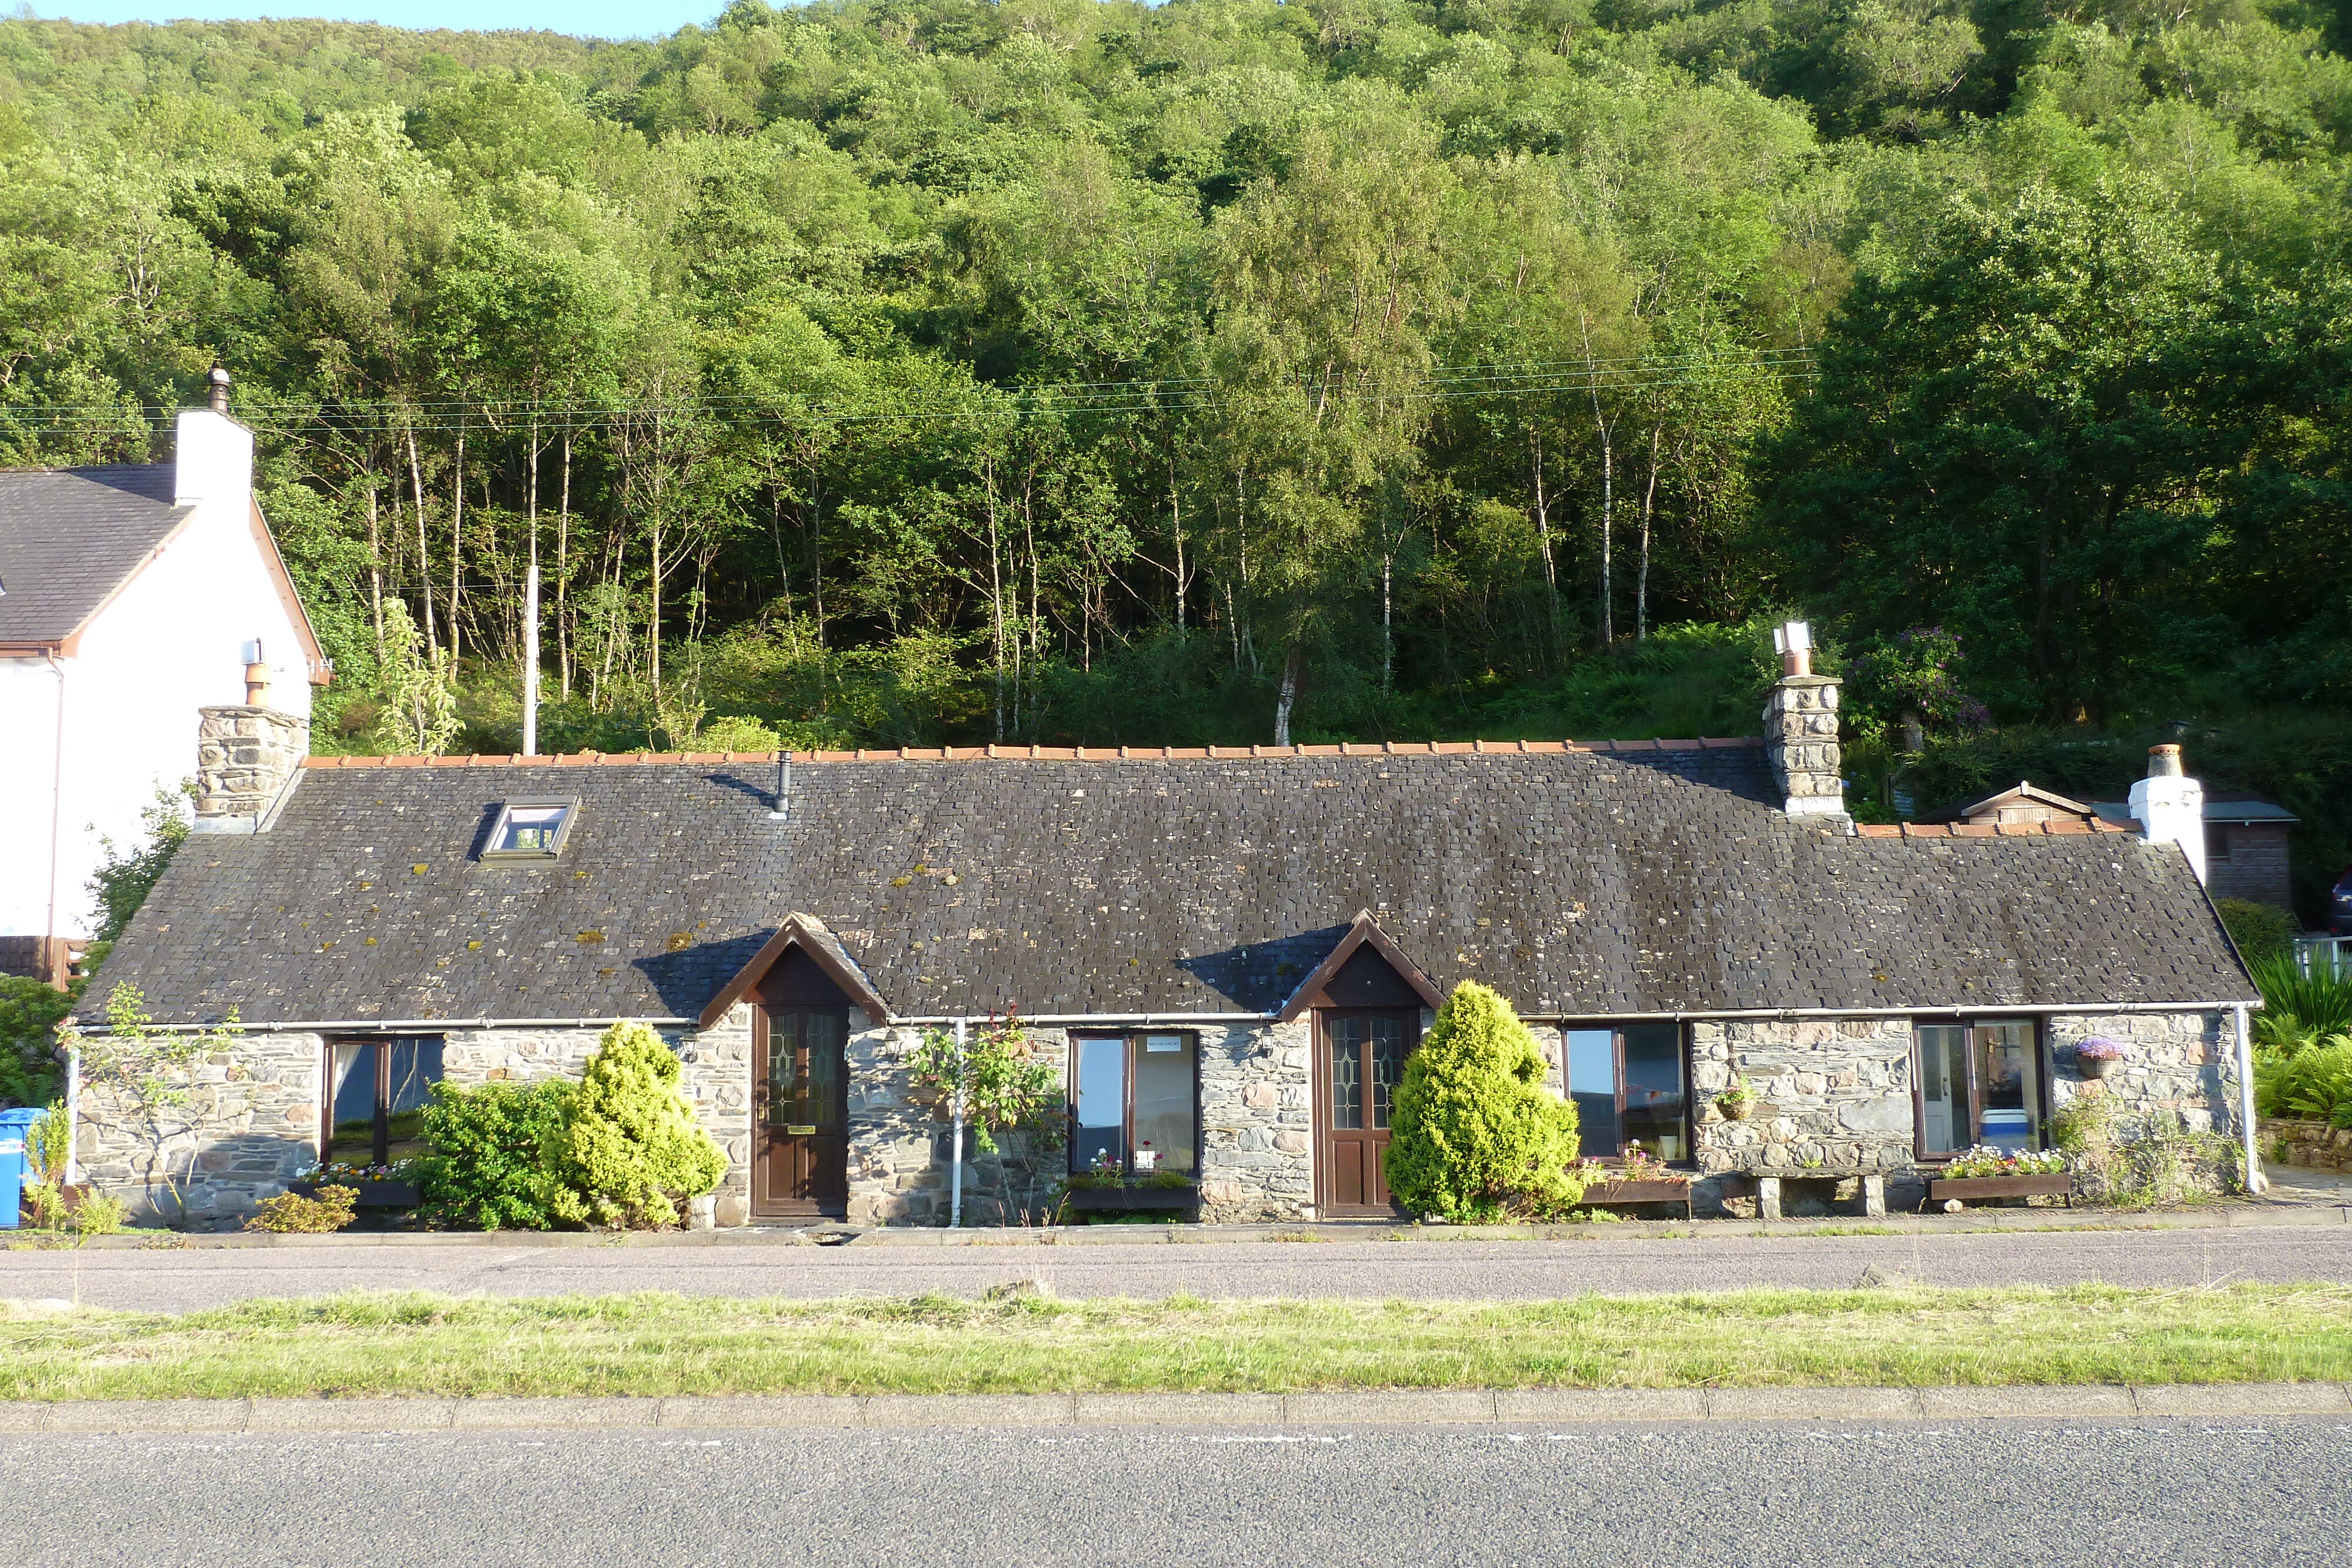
(800, 1095)
(1358, 1060)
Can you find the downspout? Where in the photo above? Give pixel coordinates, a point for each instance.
(955, 1156)
(53, 957)
(2255, 1181)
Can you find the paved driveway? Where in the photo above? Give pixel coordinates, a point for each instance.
(176, 1280)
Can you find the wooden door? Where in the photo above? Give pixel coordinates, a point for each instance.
(1359, 1060)
(800, 1107)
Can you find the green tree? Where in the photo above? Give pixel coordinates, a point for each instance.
(630, 1147)
(418, 715)
(1475, 1135)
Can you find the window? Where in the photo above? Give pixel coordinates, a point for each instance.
(2216, 843)
(1133, 1103)
(1629, 1088)
(530, 830)
(377, 1093)
(1979, 1083)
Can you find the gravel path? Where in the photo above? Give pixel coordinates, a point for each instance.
(175, 1281)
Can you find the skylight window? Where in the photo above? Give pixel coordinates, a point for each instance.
(530, 830)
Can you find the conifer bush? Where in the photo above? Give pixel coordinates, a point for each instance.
(1474, 1134)
(491, 1164)
(630, 1149)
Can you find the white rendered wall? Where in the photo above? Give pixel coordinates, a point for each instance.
(172, 641)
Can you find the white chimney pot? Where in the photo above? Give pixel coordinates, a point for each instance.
(2170, 808)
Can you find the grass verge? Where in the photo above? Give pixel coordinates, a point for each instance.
(652, 1344)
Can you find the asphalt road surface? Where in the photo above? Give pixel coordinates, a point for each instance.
(177, 1281)
(2272, 1490)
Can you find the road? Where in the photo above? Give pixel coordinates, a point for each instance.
(2254, 1491)
(1428, 1270)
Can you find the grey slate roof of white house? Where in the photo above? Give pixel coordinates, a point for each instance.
(1637, 880)
(70, 537)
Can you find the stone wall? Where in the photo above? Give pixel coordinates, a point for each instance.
(1257, 1122)
(902, 1144)
(2313, 1146)
(1834, 1098)
(2183, 1062)
(235, 1128)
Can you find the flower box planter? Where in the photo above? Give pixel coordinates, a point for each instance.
(1132, 1200)
(372, 1194)
(1976, 1189)
(2097, 1066)
(1625, 1193)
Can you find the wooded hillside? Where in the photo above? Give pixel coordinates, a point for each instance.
(1054, 369)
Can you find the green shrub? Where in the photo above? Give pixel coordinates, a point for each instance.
(2261, 931)
(100, 1213)
(2298, 1008)
(1476, 1134)
(30, 1011)
(2314, 1083)
(493, 1149)
(47, 1144)
(630, 1147)
(291, 1214)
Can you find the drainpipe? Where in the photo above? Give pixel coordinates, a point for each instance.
(2255, 1181)
(53, 957)
(955, 1156)
(73, 1116)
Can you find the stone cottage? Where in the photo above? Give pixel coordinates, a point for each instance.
(1227, 955)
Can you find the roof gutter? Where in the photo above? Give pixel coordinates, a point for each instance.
(1145, 1020)
(397, 1026)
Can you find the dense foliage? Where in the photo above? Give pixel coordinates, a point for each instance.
(1474, 1134)
(899, 370)
(630, 1147)
(492, 1151)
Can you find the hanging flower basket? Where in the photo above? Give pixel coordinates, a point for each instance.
(2098, 1056)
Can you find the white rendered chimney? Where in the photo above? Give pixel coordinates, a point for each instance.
(2170, 806)
(213, 458)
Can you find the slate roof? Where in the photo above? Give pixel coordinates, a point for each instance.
(2223, 806)
(70, 537)
(1578, 882)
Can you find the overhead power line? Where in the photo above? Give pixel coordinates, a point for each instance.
(1161, 395)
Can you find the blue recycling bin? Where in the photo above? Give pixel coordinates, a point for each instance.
(14, 1125)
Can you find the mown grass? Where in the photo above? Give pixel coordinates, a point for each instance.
(654, 1344)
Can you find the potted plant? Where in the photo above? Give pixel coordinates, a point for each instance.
(2098, 1056)
(1638, 1178)
(1738, 1102)
(1985, 1172)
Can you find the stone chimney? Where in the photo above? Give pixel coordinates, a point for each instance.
(247, 754)
(1801, 732)
(2169, 806)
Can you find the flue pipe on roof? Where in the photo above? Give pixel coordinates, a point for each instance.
(2164, 762)
(256, 677)
(784, 803)
(216, 390)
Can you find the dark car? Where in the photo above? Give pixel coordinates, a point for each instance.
(2339, 906)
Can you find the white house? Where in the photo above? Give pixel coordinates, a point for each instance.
(130, 596)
